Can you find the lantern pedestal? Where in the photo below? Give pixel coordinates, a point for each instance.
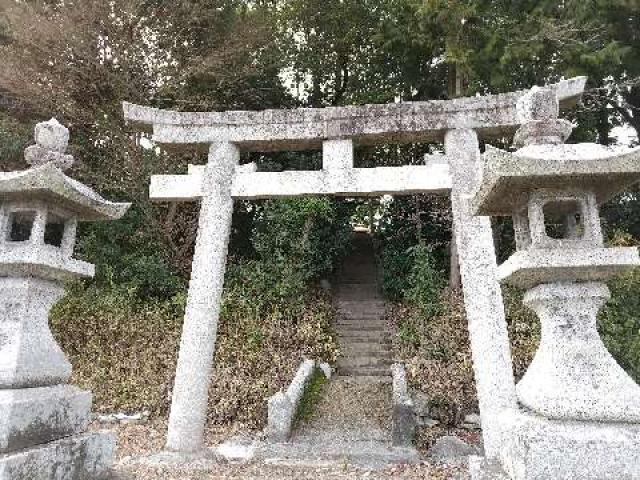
(538, 448)
(573, 376)
(30, 355)
(84, 456)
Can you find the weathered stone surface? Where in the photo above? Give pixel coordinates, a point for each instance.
(282, 406)
(482, 295)
(52, 135)
(348, 182)
(307, 128)
(481, 469)
(337, 129)
(403, 417)
(239, 448)
(528, 268)
(326, 370)
(572, 375)
(543, 132)
(538, 104)
(509, 178)
(337, 154)
(52, 139)
(49, 184)
(19, 259)
(33, 416)
(197, 345)
(536, 448)
(281, 413)
(451, 450)
(81, 457)
(41, 419)
(582, 410)
(350, 426)
(35, 155)
(29, 355)
(201, 461)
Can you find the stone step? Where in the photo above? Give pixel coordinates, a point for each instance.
(353, 315)
(365, 371)
(363, 291)
(356, 335)
(363, 347)
(368, 455)
(347, 360)
(360, 379)
(366, 349)
(378, 348)
(362, 322)
(355, 297)
(351, 364)
(354, 341)
(361, 302)
(364, 338)
(361, 311)
(355, 330)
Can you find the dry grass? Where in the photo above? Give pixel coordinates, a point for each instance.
(125, 351)
(437, 354)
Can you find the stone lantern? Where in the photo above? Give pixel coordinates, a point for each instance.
(579, 415)
(42, 419)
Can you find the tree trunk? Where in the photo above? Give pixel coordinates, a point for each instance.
(455, 282)
(456, 89)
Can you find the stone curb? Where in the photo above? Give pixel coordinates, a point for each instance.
(282, 406)
(403, 414)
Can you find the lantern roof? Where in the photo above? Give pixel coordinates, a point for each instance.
(510, 177)
(48, 183)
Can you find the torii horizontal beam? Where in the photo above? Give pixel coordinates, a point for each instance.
(306, 128)
(337, 177)
(355, 182)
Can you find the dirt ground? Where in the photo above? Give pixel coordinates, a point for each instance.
(135, 440)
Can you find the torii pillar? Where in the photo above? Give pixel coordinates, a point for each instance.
(483, 301)
(197, 345)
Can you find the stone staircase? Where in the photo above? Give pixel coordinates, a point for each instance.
(351, 424)
(360, 324)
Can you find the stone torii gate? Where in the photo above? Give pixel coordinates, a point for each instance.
(460, 122)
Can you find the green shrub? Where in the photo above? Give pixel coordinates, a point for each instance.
(424, 282)
(311, 234)
(619, 322)
(437, 355)
(411, 275)
(126, 253)
(396, 267)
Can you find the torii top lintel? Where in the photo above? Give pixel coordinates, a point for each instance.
(306, 128)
